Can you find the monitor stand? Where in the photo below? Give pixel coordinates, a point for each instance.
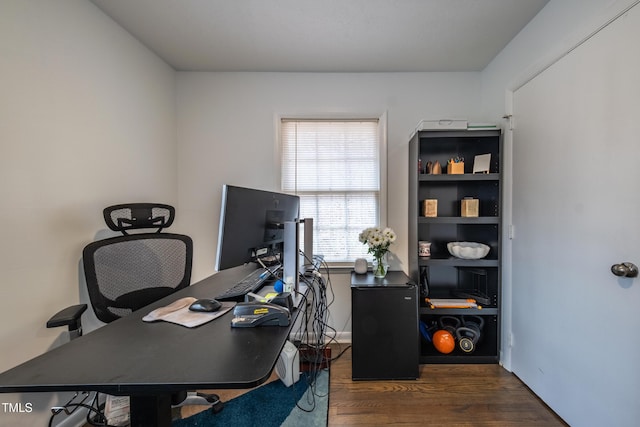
(307, 255)
(291, 259)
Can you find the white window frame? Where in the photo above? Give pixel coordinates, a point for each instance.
(382, 138)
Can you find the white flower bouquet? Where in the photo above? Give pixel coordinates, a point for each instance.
(378, 240)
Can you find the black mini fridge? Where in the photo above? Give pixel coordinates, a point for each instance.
(385, 334)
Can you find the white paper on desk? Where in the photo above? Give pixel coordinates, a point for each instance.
(178, 312)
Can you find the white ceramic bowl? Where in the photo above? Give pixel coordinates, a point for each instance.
(468, 250)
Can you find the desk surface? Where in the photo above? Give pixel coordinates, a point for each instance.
(132, 357)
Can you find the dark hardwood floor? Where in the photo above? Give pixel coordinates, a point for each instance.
(444, 395)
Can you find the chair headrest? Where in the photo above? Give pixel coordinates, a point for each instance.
(133, 216)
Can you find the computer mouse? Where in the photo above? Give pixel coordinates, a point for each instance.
(205, 305)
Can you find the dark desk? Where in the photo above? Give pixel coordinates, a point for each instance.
(149, 361)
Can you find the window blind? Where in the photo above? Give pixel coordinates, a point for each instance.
(334, 167)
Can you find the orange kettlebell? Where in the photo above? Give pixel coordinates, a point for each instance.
(443, 341)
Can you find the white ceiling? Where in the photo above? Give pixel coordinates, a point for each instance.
(324, 35)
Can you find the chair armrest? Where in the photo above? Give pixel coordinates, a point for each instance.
(69, 316)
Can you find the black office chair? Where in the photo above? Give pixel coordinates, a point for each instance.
(128, 272)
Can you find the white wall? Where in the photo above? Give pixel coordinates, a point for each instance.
(572, 224)
(226, 134)
(569, 354)
(86, 120)
(556, 29)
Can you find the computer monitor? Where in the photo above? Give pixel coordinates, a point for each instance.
(252, 225)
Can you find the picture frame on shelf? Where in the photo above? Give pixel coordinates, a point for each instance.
(482, 163)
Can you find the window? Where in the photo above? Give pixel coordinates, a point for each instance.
(336, 168)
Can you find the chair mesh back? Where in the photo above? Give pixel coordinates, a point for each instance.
(134, 216)
(128, 272)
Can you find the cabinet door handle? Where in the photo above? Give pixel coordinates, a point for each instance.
(625, 269)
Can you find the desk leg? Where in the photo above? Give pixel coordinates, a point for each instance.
(151, 411)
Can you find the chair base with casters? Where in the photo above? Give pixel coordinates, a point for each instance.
(128, 272)
(197, 398)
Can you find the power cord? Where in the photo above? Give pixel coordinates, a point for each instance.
(99, 420)
(263, 265)
(314, 333)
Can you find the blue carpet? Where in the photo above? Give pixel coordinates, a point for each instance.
(272, 404)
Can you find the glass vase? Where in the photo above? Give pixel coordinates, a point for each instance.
(380, 267)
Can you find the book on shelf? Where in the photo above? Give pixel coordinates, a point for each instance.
(451, 302)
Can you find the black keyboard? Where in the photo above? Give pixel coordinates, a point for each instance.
(250, 283)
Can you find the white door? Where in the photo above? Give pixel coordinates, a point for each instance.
(576, 212)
